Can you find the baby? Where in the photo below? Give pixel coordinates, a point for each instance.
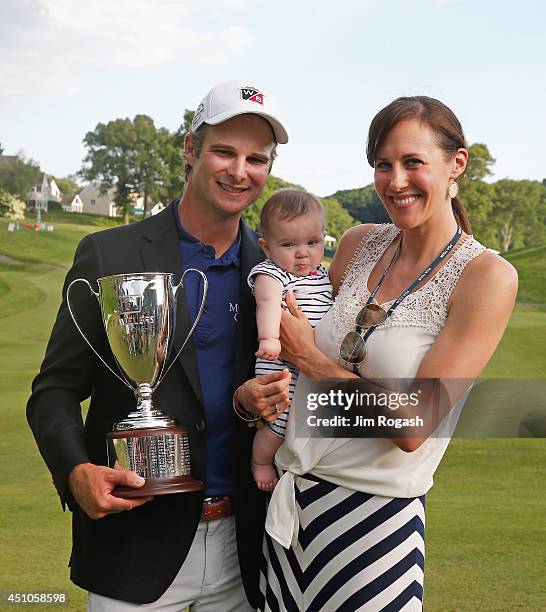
(292, 224)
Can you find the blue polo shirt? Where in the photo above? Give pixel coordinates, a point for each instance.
(214, 342)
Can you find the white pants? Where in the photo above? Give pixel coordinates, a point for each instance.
(208, 581)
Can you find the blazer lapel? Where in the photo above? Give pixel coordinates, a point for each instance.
(246, 339)
(160, 252)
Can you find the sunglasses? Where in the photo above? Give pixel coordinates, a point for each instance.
(353, 349)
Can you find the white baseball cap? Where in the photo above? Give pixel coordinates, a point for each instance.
(233, 98)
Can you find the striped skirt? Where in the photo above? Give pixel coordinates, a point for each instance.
(355, 551)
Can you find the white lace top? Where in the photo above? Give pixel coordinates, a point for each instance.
(395, 351)
(426, 307)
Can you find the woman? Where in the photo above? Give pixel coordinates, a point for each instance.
(346, 521)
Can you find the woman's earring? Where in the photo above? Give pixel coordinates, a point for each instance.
(453, 190)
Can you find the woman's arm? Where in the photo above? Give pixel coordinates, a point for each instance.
(479, 310)
(478, 313)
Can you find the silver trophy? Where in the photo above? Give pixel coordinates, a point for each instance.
(138, 313)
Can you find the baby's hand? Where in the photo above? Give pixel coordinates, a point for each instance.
(268, 349)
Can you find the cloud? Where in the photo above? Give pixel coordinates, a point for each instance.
(47, 42)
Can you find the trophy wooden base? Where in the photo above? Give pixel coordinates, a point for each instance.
(160, 486)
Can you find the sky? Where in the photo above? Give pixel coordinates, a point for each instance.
(66, 65)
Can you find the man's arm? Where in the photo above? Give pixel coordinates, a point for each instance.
(64, 380)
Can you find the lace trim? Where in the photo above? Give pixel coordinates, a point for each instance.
(426, 307)
(365, 249)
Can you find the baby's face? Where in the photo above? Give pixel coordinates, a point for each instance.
(296, 246)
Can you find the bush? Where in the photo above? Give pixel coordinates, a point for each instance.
(11, 206)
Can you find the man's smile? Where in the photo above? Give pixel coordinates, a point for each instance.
(231, 188)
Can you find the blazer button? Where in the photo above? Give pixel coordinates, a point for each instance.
(200, 425)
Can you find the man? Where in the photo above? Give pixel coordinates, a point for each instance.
(172, 549)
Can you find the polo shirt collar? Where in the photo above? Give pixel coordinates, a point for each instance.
(193, 246)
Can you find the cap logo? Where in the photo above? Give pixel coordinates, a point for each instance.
(198, 114)
(252, 94)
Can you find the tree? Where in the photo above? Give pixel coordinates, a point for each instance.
(517, 213)
(251, 215)
(126, 155)
(362, 204)
(338, 220)
(149, 163)
(68, 185)
(18, 175)
(11, 206)
(477, 195)
(172, 152)
(479, 164)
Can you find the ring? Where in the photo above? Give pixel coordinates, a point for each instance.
(277, 409)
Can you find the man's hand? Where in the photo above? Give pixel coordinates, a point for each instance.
(92, 487)
(266, 395)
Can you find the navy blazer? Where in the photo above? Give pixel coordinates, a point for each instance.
(134, 556)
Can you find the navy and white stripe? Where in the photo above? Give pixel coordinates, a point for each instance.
(313, 293)
(355, 551)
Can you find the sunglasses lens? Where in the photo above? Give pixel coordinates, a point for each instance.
(371, 315)
(353, 348)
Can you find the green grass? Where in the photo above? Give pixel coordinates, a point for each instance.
(486, 527)
(486, 514)
(60, 216)
(531, 266)
(4, 288)
(34, 532)
(522, 350)
(49, 248)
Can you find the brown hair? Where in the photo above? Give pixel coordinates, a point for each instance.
(438, 117)
(288, 204)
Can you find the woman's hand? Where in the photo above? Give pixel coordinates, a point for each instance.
(296, 335)
(298, 345)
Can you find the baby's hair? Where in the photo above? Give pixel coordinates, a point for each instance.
(286, 205)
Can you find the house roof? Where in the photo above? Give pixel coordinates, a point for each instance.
(43, 178)
(93, 190)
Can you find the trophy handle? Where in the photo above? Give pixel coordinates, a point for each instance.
(197, 318)
(97, 295)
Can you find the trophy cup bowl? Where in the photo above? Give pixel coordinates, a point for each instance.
(138, 314)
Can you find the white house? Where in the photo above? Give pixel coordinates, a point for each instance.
(93, 202)
(329, 242)
(72, 203)
(45, 191)
(157, 208)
